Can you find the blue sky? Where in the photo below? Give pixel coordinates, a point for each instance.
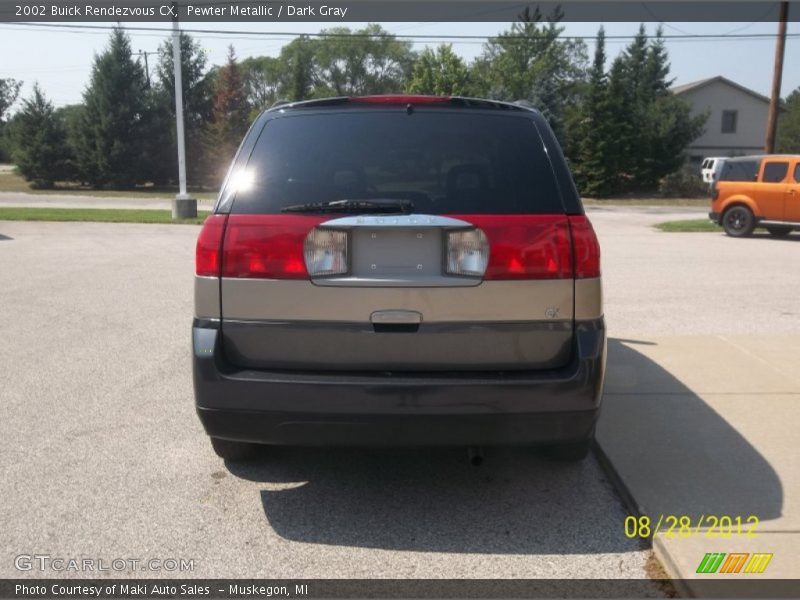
(61, 60)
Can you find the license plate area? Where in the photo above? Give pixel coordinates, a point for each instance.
(402, 253)
(397, 251)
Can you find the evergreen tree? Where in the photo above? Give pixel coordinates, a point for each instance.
(650, 127)
(229, 117)
(531, 62)
(594, 171)
(789, 125)
(39, 142)
(114, 143)
(439, 72)
(197, 105)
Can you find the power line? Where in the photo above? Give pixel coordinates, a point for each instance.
(419, 37)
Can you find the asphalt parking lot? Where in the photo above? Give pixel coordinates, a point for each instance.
(103, 456)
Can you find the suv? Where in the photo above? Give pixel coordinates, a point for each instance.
(398, 270)
(757, 191)
(710, 167)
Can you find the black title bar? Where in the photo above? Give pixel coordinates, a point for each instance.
(338, 11)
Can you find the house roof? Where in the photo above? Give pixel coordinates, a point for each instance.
(681, 89)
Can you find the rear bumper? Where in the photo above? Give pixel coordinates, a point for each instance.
(714, 216)
(393, 408)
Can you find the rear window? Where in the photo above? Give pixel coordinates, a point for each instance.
(443, 162)
(739, 170)
(775, 172)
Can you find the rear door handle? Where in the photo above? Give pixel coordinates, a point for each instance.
(395, 317)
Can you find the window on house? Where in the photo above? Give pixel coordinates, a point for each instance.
(775, 172)
(729, 118)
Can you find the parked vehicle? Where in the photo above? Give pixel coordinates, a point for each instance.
(758, 191)
(711, 167)
(398, 270)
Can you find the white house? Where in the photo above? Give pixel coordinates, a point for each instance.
(737, 118)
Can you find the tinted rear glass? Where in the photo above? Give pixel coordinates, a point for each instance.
(739, 170)
(444, 162)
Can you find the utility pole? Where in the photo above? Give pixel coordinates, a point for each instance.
(144, 54)
(183, 206)
(775, 98)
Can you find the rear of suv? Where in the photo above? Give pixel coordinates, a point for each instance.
(398, 270)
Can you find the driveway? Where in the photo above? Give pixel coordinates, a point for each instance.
(103, 455)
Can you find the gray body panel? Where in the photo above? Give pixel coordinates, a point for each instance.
(334, 346)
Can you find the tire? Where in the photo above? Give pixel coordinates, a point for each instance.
(570, 452)
(228, 450)
(779, 231)
(738, 221)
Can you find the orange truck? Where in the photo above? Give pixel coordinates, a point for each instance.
(757, 191)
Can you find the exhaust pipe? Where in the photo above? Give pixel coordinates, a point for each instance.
(475, 456)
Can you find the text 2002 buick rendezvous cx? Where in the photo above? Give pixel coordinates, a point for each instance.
(398, 270)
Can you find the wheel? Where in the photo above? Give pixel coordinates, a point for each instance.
(738, 221)
(779, 231)
(571, 451)
(228, 450)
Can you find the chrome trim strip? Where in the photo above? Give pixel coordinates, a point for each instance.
(413, 220)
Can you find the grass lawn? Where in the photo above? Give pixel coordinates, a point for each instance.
(100, 215)
(689, 226)
(647, 202)
(12, 182)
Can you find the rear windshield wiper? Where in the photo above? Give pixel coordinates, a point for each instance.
(382, 205)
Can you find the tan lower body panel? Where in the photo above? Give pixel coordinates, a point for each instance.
(302, 300)
(263, 299)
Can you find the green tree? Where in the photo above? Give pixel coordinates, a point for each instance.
(9, 90)
(297, 58)
(439, 72)
(39, 142)
(650, 126)
(594, 171)
(532, 62)
(197, 105)
(789, 125)
(372, 61)
(114, 143)
(229, 117)
(264, 78)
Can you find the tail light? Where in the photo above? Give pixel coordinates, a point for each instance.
(209, 246)
(714, 191)
(586, 248)
(325, 252)
(526, 246)
(467, 253)
(266, 246)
